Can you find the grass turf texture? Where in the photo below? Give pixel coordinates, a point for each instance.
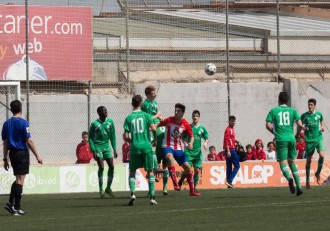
(224, 209)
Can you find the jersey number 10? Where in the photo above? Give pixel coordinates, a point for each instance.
(138, 125)
(284, 118)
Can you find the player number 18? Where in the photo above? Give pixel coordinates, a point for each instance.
(284, 118)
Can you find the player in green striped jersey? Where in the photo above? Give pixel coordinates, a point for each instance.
(314, 126)
(194, 155)
(280, 122)
(100, 132)
(136, 127)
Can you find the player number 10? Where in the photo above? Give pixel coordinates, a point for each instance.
(138, 125)
(284, 118)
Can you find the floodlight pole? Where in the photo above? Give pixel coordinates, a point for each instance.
(127, 51)
(227, 58)
(278, 40)
(27, 61)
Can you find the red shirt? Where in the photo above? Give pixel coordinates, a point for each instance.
(249, 156)
(211, 157)
(301, 149)
(173, 134)
(258, 154)
(84, 154)
(229, 138)
(125, 151)
(221, 156)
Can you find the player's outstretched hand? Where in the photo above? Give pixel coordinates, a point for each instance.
(115, 154)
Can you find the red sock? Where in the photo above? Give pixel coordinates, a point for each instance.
(190, 181)
(172, 174)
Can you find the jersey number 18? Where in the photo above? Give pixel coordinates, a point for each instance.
(284, 118)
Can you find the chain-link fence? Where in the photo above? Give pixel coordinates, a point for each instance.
(160, 41)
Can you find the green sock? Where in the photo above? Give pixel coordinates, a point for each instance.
(165, 179)
(155, 161)
(183, 176)
(151, 182)
(319, 166)
(131, 181)
(110, 178)
(285, 171)
(308, 170)
(100, 176)
(196, 179)
(295, 173)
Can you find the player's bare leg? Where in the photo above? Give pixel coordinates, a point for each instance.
(170, 160)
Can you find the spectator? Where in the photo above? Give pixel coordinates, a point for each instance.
(126, 153)
(258, 150)
(249, 154)
(300, 146)
(83, 151)
(240, 151)
(270, 152)
(221, 156)
(212, 156)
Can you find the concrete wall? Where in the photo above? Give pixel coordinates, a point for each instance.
(58, 120)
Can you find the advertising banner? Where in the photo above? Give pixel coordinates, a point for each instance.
(59, 43)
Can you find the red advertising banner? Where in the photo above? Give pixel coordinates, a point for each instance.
(59, 43)
(251, 174)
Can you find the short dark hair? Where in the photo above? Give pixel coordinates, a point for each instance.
(283, 97)
(149, 89)
(269, 143)
(99, 109)
(211, 147)
(84, 133)
(312, 101)
(181, 106)
(248, 146)
(232, 117)
(137, 100)
(196, 112)
(16, 106)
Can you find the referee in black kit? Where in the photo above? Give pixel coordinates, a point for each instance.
(17, 139)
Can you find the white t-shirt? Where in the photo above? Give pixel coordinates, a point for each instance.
(271, 155)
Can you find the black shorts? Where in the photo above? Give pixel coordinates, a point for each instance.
(20, 161)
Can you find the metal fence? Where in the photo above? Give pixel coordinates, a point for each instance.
(171, 41)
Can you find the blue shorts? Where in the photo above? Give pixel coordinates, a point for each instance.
(178, 155)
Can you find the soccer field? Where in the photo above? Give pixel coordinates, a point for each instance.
(224, 209)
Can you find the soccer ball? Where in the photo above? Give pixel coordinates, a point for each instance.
(210, 69)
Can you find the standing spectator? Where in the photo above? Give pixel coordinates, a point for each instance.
(232, 159)
(249, 153)
(300, 146)
(270, 152)
(258, 150)
(126, 153)
(136, 127)
(17, 140)
(83, 151)
(173, 146)
(314, 126)
(279, 122)
(100, 132)
(213, 154)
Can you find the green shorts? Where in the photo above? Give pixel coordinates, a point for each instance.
(195, 161)
(105, 154)
(286, 150)
(311, 146)
(145, 160)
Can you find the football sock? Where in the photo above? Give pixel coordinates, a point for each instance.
(190, 182)
(110, 178)
(165, 179)
(151, 182)
(319, 166)
(308, 170)
(100, 176)
(155, 161)
(131, 181)
(18, 195)
(172, 174)
(183, 176)
(12, 193)
(295, 173)
(285, 171)
(196, 179)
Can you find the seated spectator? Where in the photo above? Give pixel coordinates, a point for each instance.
(212, 156)
(126, 152)
(300, 146)
(258, 150)
(270, 152)
(221, 156)
(249, 154)
(240, 152)
(83, 151)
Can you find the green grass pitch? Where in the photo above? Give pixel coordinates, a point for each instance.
(223, 209)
